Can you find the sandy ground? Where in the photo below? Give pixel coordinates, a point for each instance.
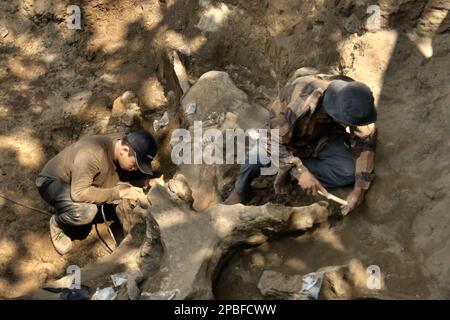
(59, 84)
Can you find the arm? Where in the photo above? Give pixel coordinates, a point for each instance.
(363, 142)
(290, 164)
(85, 168)
(287, 110)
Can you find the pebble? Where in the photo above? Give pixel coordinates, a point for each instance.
(3, 32)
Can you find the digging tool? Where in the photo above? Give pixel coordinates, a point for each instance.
(325, 194)
(331, 197)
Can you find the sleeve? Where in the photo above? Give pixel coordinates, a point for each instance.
(84, 169)
(363, 143)
(288, 163)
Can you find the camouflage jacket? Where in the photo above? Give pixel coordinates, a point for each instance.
(304, 126)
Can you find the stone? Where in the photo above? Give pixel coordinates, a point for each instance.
(352, 24)
(216, 92)
(180, 72)
(276, 284)
(171, 247)
(3, 32)
(126, 114)
(339, 283)
(214, 17)
(219, 104)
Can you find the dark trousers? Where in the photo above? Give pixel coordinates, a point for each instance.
(333, 166)
(75, 218)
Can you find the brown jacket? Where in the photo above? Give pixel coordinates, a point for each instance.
(304, 126)
(89, 167)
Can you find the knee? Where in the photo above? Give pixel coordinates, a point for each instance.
(84, 214)
(342, 176)
(346, 179)
(335, 174)
(346, 170)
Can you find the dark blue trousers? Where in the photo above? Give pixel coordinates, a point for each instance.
(75, 218)
(333, 166)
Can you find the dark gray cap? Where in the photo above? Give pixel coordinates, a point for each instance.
(145, 148)
(351, 103)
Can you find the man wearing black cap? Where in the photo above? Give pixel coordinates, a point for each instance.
(88, 174)
(327, 138)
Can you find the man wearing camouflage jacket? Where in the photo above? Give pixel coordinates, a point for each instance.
(327, 138)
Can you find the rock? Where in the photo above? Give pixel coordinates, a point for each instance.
(339, 283)
(125, 115)
(222, 105)
(216, 92)
(230, 122)
(352, 24)
(256, 239)
(275, 284)
(191, 108)
(335, 286)
(192, 245)
(184, 49)
(204, 3)
(161, 123)
(3, 32)
(349, 7)
(180, 72)
(152, 96)
(214, 17)
(180, 187)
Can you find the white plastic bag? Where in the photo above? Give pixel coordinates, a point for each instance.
(164, 121)
(312, 283)
(191, 108)
(104, 294)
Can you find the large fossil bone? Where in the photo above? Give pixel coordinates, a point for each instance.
(171, 247)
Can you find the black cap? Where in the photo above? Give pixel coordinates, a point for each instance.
(351, 103)
(145, 148)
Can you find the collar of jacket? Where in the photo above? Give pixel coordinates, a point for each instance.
(297, 99)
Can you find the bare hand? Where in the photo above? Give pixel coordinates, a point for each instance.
(354, 199)
(132, 193)
(310, 184)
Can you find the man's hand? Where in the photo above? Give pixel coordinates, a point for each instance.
(310, 184)
(354, 199)
(131, 193)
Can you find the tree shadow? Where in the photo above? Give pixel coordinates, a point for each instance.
(415, 126)
(74, 68)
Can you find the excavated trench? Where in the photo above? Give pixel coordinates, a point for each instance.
(54, 91)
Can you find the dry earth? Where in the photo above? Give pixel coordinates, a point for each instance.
(58, 84)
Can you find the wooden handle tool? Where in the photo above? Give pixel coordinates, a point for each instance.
(331, 197)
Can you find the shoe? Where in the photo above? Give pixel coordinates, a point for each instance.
(233, 198)
(61, 242)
